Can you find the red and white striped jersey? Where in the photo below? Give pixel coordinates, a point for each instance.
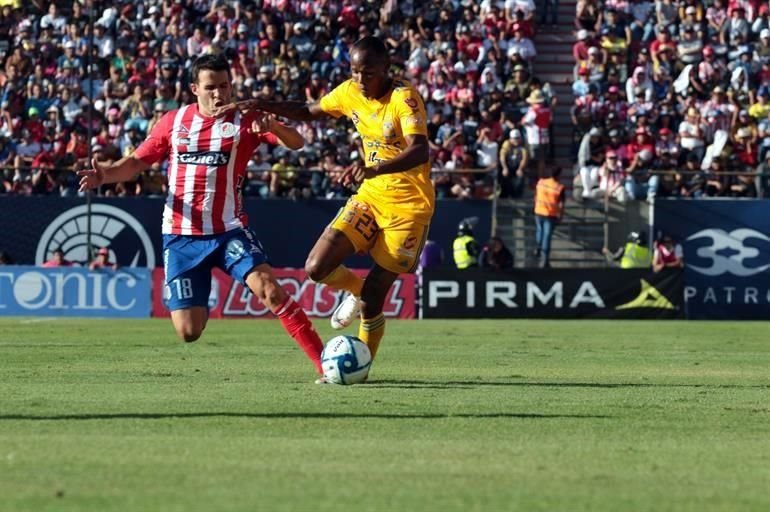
(207, 163)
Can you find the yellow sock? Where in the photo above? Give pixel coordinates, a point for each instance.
(371, 331)
(341, 278)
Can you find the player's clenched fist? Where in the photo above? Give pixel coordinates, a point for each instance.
(91, 178)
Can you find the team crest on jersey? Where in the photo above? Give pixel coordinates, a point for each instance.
(355, 117)
(411, 103)
(226, 130)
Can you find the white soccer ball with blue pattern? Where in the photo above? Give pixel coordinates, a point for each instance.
(346, 360)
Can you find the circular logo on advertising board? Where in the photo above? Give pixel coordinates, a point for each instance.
(110, 227)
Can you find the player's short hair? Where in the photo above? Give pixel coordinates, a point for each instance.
(374, 47)
(212, 62)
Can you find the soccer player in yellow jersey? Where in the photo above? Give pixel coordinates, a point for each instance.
(389, 215)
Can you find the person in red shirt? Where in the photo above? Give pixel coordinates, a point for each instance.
(102, 260)
(57, 260)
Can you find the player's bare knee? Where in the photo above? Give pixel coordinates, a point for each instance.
(315, 270)
(189, 334)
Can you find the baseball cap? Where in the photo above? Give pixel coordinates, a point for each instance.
(33, 111)
(515, 134)
(264, 43)
(595, 132)
(582, 34)
(153, 9)
(69, 44)
(664, 131)
(690, 10)
(438, 95)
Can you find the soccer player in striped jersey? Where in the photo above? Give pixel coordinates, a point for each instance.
(203, 222)
(391, 211)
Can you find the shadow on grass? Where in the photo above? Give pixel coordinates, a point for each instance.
(469, 384)
(286, 415)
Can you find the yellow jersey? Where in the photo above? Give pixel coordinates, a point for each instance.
(383, 124)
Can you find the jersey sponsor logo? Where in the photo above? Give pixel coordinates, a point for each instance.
(111, 227)
(649, 297)
(728, 252)
(204, 158)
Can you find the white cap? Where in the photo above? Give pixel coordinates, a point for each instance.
(99, 105)
(438, 95)
(153, 9)
(242, 28)
(690, 9)
(69, 44)
(582, 34)
(298, 27)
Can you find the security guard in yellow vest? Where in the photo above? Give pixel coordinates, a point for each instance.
(634, 254)
(465, 247)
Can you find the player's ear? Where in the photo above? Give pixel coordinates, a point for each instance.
(194, 88)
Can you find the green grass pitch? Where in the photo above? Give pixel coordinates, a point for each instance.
(485, 416)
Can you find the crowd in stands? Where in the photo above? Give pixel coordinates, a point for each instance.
(672, 98)
(471, 62)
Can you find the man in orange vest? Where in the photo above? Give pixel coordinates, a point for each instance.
(549, 208)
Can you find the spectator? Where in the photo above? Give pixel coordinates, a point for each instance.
(58, 260)
(667, 255)
(102, 260)
(495, 255)
(514, 159)
(536, 122)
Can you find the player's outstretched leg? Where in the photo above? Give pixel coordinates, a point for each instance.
(263, 284)
(324, 265)
(375, 290)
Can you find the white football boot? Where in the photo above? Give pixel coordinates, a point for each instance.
(348, 310)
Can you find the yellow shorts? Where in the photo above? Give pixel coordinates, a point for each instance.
(393, 241)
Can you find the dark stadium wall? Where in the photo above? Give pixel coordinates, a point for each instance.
(32, 227)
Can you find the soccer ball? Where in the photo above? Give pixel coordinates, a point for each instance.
(346, 360)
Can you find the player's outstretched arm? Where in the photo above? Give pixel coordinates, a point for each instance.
(295, 110)
(99, 174)
(288, 136)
